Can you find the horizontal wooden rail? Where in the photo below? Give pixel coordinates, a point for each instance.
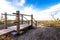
(15, 15)
(23, 14)
(9, 14)
(34, 22)
(27, 20)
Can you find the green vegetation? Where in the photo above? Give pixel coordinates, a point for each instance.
(45, 23)
(9, 22)
(12, 22)
(6, 37)
(50, 23)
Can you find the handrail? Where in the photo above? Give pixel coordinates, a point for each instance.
(10, 14)
(35, 22)
(27, 20)
(15, 15)
(23, 14)
(34, 19)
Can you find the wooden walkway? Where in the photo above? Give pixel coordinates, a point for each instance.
(19, 21)
(13, 28)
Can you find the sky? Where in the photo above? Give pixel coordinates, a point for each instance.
(41, 9)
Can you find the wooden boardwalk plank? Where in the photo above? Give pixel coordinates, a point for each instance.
(12, 28)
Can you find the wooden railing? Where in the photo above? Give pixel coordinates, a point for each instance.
(28, 21)
(35, 22)
(18, 19)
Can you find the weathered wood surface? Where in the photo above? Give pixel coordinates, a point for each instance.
(12, 28)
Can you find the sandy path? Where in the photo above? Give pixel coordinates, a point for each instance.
(46, 33)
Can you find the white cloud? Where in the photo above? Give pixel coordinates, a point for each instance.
(21, 3)
(27, 10)
(6, 7)
(42, 14)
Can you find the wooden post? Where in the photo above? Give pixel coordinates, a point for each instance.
(32, 20)
(5, 21)
(21, 19)
(28, 22)
(36, 23)
(18, 21)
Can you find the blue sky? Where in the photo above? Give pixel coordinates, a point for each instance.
(42, 4)
(38, 4)
(41, 9)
